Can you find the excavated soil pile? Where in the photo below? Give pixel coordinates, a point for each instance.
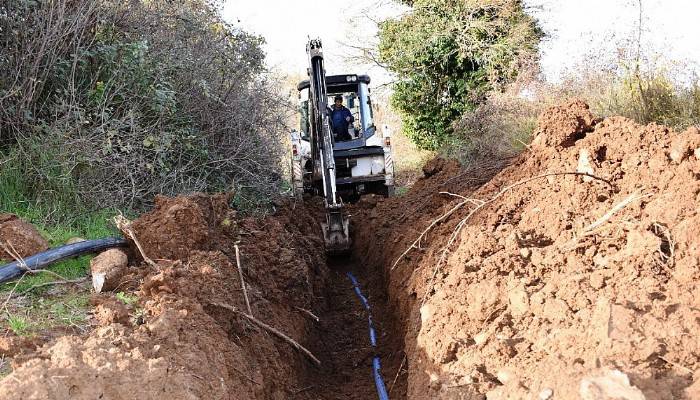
(554, 285)
(181, 339)
(19, 237)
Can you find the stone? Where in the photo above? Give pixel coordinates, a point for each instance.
(610, 385)
(584, 165)
(481, 338)
(546, 394)
(504, 376)
(519, 301)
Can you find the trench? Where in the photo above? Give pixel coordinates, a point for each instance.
(342, 342)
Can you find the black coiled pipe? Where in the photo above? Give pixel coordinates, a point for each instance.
(48, 257)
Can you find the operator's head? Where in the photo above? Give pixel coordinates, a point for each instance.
(338, 100)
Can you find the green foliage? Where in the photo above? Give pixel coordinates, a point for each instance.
(55, 210)
(448, 55)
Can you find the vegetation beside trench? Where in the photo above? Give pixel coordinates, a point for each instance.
(104, 105)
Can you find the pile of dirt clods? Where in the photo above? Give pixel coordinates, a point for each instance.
(573, 273)
(177, 337)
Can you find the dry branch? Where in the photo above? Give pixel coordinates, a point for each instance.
(619, 206)
(307, 312)
(61, 282)
(240, 275)
(124, 225)
(426, 230)
(272, 330)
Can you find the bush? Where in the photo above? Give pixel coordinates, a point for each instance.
(498, 129)
(115, 102)
(651, 92)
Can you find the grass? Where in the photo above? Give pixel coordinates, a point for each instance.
(41, 310)
(34, 315)
(55, 216)
(127, 299)
(90, 226)
(17, 324)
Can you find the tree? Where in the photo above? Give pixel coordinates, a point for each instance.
(448, 54)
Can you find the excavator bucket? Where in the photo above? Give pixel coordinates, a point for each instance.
(336, 231)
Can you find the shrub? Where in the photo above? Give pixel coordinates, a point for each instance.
(115, 102)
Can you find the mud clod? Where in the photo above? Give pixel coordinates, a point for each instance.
(20, 237)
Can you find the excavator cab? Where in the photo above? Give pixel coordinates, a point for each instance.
(364, 163)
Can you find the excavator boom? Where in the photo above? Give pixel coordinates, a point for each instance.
(336, 227)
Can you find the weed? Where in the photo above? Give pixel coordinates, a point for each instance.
(400, 191)
(18, 325)
(127, 299)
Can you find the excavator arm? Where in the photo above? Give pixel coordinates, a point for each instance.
(336, 227)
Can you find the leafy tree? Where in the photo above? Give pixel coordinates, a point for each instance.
(448, 54)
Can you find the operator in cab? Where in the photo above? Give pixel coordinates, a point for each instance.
(341, 118)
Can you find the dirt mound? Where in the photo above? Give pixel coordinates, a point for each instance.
(19, 236)
(575, 269)
(176, 337)
(179, 226)
(561, 126)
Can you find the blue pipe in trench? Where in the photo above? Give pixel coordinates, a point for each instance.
(376, 364)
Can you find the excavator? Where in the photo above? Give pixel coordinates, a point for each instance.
(326, 165)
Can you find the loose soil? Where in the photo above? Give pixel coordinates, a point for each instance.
(564, 286)
(19, 237)
(569, 272)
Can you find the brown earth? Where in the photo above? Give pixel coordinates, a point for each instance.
(19, 236)
(534, 300)
(180, 340)
(173, 333)
(572, 273)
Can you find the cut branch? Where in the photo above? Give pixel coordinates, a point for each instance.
(124, 225)
(272, 330)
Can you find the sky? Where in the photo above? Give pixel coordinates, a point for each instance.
(577, 30)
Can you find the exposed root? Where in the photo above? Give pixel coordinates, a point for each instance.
(416, 242)
(619, 206)
(307, 312)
